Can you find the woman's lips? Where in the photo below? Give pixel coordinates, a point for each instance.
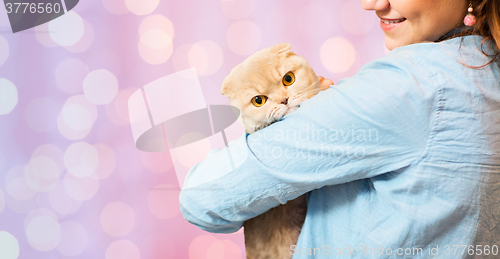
(390, 24)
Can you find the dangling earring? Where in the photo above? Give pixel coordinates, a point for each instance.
(470, 19)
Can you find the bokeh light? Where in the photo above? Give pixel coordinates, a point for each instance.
(224, 249)
(69, 132)
(70, 74)
(188, 157)
(117, 111)
(51, 151)
(122, 249)
(77, 117)
(199, 246)
(4, 50)
(355, 19)
(42, 173)
(243, 37)
(37, 213)
(8, 96)
(156, 22)
(67, 29)
(163, 201)
(314, 22)
(43, 229)
(142, 7)
(158, 246)
(82, 101)
(156, 39)
(9, 246)
(74, 238)
(19, 190)
(107, 161)
(205, 56)
(22, 206)
(181, 60)
(61, 201)
(117, 219)
(337, 55)
(155, 47)
(81, 159)
(214, 60)
(42, 34)
(20, 197)
(43, 232)
(16, 185)
(81, 188)
(85, 41)
(238, 9)
(115, 6)
(41, 114)
(156, 162)
(100, 86)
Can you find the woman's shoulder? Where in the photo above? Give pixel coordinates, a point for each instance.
(430, 65)
(454, 52)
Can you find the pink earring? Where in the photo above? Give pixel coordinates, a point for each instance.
(470, 19)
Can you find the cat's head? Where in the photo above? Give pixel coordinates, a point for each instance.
(268, 85)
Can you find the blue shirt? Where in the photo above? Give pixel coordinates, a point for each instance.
(401, 160)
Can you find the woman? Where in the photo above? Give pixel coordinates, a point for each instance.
(401, 160)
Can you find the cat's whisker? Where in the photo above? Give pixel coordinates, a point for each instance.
(307, 91)
(300, 97)
(313, 84)
(273, 113)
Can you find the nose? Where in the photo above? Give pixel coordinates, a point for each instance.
(375, 5)
(285, 102)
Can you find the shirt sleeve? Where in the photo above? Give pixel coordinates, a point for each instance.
(375, 122)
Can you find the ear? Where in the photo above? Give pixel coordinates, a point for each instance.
(226, 87)
(223, 90)
(281, 48)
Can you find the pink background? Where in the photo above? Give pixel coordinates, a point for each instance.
(72, 183)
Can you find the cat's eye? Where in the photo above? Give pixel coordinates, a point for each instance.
(259, 100)
(288, 79)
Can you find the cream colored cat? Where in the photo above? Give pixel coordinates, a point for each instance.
(265, 87)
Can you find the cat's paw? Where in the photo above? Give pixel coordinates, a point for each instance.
(324, 83)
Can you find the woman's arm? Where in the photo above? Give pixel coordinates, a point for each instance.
(375, 122)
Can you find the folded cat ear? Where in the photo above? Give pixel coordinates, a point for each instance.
(281, 48)
(223, 90)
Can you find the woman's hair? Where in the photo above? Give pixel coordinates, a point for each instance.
(487, 14)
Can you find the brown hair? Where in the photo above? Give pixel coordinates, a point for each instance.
(487, 14)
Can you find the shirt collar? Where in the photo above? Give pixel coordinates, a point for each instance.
(459, 30)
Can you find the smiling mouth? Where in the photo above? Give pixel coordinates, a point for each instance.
(393, 21)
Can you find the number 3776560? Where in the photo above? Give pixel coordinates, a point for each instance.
(33, 8)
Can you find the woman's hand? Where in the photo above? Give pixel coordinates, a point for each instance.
(325, 83)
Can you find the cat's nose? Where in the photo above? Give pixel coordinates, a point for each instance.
(285, 102)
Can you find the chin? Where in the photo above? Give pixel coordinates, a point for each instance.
(291, 109)
(390, 44)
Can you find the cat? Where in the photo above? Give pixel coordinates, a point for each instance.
(265, 87)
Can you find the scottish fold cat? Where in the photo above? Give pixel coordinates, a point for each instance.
(265, 87)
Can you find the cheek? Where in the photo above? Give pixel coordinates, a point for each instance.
(256, 114)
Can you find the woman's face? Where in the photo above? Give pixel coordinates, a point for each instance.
(411, 21)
